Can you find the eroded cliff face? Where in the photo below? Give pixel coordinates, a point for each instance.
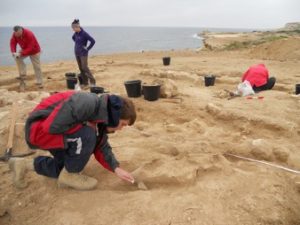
(292, 26)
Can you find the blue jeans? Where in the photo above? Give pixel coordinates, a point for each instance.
(80, 147)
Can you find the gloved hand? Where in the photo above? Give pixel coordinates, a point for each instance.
(16, 55)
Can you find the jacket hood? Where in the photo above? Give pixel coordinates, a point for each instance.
(114, 105)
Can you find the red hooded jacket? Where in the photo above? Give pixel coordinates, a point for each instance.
(257, 75)
(65, 113)
(27, 42)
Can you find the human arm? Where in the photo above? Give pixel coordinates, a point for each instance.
(104, 155)
(91, 40)
(13, 44)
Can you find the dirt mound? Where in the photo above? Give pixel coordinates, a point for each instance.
(283, 49)
(177, 148)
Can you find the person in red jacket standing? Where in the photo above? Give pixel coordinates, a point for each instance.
(258, 77)
(29, 48)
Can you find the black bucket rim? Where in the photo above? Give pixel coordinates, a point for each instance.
(151, 85)
(69, 74)
(101, 90)
(132, 82)
(210, 76)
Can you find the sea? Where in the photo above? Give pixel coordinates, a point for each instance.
(57, 43)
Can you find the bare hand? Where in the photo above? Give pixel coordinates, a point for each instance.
(16, 55)
(124, 175)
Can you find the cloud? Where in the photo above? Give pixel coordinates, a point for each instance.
(196, 13)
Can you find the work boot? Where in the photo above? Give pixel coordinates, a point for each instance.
(22, 86)
(76, 180)
(39, 85)
(19, 167)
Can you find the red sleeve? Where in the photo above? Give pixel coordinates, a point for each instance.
(13, 44)
(100, 158)
(104, 155)
(31, 43)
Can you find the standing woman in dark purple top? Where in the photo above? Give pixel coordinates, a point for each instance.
(81, 39)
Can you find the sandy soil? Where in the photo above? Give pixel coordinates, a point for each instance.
(176, 147)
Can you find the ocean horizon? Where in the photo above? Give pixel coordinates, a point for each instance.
(57, 44)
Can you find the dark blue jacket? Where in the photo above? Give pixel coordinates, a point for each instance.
(81, 40)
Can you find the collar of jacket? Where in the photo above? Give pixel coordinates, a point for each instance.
(102, 113)
(109, 110)
(80, 32)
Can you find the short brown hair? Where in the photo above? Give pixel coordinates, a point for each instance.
(17, 28)
(128, 111)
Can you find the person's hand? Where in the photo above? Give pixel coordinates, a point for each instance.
(16, 55)
(124, 175)
(86, 48)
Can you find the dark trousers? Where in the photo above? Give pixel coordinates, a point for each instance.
(80, 147)
(85, 72)
(268, 86)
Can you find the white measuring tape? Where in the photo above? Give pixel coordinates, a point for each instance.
(263, 162)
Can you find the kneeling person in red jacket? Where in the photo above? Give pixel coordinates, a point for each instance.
(72, 126)
(258, 77)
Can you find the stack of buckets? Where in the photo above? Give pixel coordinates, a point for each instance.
(71, 80)
(134, 89)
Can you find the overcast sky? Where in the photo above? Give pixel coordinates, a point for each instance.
(178, 13)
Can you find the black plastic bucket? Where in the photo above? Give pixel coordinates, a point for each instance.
(97, 90)
(297, 89)
(166, 61)
(151, 92)
(71, 82)
(209, 80)
(67, 75)
(133, 88)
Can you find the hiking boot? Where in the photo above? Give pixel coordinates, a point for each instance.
(39, 85)
(22, 85)
(76, 180)
(19, 167)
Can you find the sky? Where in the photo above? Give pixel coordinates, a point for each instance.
(257, 14)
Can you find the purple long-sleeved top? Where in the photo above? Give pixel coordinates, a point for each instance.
(81, 39)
